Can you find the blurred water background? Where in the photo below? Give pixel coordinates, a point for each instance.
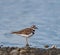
(19, 14)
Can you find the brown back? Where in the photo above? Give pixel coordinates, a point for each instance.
(24, 31)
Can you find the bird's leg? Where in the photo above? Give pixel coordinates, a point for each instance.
(27, 42)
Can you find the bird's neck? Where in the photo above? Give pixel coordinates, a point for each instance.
(33, 28)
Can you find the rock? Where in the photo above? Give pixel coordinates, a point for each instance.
(29, 51)
(5, 53)
(14, 52)
(1, 52)
(24, 52)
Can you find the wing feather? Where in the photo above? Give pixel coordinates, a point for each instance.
(24, 31)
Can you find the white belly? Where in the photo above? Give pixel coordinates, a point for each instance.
(26, 35)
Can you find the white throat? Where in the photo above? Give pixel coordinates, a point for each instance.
(33, 28)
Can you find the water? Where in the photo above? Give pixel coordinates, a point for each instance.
(19, 14)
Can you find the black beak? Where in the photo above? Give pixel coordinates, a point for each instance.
(36, 28)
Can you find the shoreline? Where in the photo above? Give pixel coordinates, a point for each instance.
(28, 51)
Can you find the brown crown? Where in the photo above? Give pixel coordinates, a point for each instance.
(34, 26)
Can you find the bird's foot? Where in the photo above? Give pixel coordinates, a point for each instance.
(27, 45)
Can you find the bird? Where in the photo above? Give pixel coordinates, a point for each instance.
(27, 32)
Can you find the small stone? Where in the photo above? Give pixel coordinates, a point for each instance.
(1, 52)
(23, 51)
(5, 53)
(14, 52)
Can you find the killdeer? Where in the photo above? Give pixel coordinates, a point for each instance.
(27, 32)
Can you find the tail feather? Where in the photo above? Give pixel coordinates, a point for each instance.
(14, 33)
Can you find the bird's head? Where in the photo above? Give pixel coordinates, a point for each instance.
(34, 27)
